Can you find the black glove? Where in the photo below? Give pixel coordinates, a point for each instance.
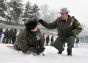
(69, 33)
(25, 52)
(40, 21)
(40, 50)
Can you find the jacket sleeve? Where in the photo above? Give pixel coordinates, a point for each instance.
(78, 28)
(52, 25)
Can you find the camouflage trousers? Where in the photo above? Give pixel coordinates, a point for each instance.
(60, 41)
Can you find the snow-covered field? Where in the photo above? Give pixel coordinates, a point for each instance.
(80, 55)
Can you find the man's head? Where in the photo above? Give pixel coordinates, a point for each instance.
(31, 25)
(64, 13)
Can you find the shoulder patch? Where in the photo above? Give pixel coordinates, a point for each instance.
(79, 26)
(71, 21)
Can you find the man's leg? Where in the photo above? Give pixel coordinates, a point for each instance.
(3, 41)
(46, 42)
(7, 40)
(51, 43)
(10, 40)
(13, 40)
(70, 44)
(58, 44)
(76, 45)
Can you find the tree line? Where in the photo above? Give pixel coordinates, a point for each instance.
(16, 12)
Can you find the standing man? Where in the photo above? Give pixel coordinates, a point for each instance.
(68, 27)
(10, 35)
(77, 43)
(47, 40)
(52, 40)
(6, 36)
(14, 36)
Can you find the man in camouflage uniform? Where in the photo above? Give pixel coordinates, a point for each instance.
(11, 35)
(6, 36)
(68, 27)
(14, 36)
(28, 38)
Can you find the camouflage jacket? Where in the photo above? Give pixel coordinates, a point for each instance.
(26, 39)
(62, 27)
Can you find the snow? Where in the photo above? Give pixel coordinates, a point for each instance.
(80, 55)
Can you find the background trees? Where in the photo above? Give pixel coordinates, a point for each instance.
(46, 14)
(36, 11)
(30, 11)
(2, 8)
(17, 12)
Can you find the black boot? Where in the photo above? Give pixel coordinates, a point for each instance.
(69, 52)
(60, 52)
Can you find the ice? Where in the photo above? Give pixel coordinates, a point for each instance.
(80, 55)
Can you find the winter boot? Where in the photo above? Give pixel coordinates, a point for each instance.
(69, 52)
(60, 52)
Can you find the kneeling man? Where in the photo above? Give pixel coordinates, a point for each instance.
(68, 27)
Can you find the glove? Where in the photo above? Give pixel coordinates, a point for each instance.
(40, 21)
(40, 50)
(69, 33)
(27, 52)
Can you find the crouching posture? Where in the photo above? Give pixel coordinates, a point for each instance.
(30, 39)
(68, 27)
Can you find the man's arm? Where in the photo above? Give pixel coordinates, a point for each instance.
(78, 27)
(48, 25)
(21, 42)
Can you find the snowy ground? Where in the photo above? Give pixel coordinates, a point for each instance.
(7, 55)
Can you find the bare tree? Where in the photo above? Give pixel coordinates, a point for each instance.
(44, 12)
(47, 15)
(52, 16)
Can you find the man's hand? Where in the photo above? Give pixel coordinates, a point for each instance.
(40, 50)
(40, 21)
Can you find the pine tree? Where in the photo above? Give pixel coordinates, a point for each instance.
(15, 11)
(2, 8)
(36, 11)
(28, 12)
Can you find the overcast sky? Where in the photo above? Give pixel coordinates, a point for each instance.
(78, 8)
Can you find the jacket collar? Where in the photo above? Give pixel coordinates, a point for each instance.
(69, 18)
